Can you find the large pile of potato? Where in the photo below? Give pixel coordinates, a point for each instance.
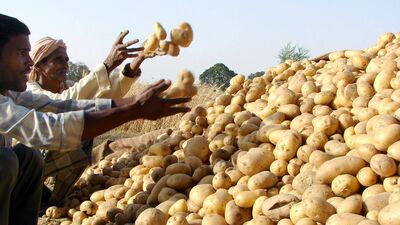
(307, 143)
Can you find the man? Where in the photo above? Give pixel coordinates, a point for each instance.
(50, 67)
(49, 73)
(37, 121)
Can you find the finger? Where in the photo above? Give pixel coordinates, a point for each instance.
(175, 110)
(132, 49)
(131, 42)
(154, 85)
(130, 55)
(174, 101)
(121, 36)
(161, 87)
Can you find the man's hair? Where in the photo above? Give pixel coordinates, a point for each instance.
(10, 26)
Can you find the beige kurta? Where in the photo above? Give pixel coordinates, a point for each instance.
(97, 84)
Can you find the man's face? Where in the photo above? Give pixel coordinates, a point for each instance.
(15, 63)
(55, 67)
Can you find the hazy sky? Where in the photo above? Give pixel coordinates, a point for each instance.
(244, 35)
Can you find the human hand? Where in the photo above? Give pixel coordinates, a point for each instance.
(121, 51)
(150, 105)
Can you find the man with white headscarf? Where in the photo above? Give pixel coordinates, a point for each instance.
(51, 65)
(48, 77)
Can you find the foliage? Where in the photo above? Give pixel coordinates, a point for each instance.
(256, 74)
(77, 70)
(293, 52)
(217, 75)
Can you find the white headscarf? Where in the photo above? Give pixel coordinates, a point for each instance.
(40, 50)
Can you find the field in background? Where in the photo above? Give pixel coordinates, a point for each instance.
(133, 128)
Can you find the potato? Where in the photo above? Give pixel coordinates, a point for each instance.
(186, 42)
(366, 177)
(178, 206)
(177, 220)
(257, 207)
(393, 151)
(151, 216)
(246, 199)
(264, 132)
(376, 202)
(303, 180)
(197, 146)
(201, 172)
(318, 209)
(165, 194)
(321, 110)
(344, 185)
(213, 219)
(304, 152)
(317, 139)
(159, 31)
(368, 222)
(152, 43)
(306, 221)
(286, 148)
(297, 212)
(178, 168)
(340, 165)
(260, 220)
(54, 212)
(317, 158)
(152, 199)
(324, 98)
(151, 161)
(221, 180)
(294, 166)
(308, 88)
(278, 207)
(88, 207)
(383, 165)
(179, 181)
(215, 203)
(366, 151)
(382, 80)
(285, 222)
(389, 215)
(386, 137)
(254, 161)
(336, 148)
(279, 167)
(345, 218)
(318, 190)
(235, 214)
(246, 129)
(391, 184)
(352, 204)
(262, 180)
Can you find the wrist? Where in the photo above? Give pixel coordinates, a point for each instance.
(108, 66)
(129, 72)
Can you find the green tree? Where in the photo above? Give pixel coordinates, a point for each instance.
(256, 74)
(218, 75)
(294, 52)
(77, 70)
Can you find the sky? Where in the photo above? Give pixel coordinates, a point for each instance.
(244, 35)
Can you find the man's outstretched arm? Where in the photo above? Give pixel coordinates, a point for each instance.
(147, 105)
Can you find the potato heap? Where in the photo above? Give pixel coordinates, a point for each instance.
(181, 36)
(307, 143)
